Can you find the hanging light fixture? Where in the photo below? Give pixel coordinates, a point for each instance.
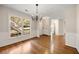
(36, 12)
(35, 17)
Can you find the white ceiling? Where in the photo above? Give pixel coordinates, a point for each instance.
(44, 9)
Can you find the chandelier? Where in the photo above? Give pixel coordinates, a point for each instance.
(36, 12)
(35, 17)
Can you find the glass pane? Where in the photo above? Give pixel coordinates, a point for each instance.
(16, 26)
(26, 26)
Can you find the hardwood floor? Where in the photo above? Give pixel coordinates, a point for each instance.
(39, 45)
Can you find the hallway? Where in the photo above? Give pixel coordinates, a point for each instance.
(39, 45)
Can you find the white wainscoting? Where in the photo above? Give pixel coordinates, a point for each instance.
(70, 39)
(77, 42)
(5, 39)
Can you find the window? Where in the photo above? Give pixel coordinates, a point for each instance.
(26, 26)
(19, 26)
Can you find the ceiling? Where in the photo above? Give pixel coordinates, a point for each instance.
(51, 10)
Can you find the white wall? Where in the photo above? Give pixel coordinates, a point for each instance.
(57, 26)
(77, 41)
(3, 24)
(61, 27)
(46, 29)
(5, 39)
(70, 25)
